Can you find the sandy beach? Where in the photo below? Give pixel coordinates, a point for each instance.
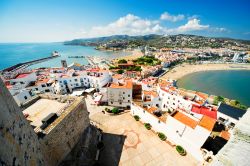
(134, 55)
(185, 69)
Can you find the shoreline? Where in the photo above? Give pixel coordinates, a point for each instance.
(185, 69)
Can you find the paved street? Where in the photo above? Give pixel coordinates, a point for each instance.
(128, 143)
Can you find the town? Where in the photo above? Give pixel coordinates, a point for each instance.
(194, 123)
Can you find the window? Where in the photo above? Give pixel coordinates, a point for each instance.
(128, 100)
(157, 105)
(123, 92)
(60, 81)
(144, 111)
(25, 97)
(120, 103)
(128, 95)
(111, 102)
(123, 98)
(36, 88)
(43, 85)
(164, 106)
(159, 121)
(77, 84)
(75, 80)
(47, 90)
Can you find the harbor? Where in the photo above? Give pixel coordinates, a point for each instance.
(24, 65)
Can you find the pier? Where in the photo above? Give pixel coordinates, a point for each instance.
(29, 63)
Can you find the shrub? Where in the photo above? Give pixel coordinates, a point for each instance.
(122, 61)
(108, 110)
(162, 136)
(120, 71)
(115, 111)
(137, 118)
(147, 126)
(180, 150)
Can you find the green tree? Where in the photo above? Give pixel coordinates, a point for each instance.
(122, 61)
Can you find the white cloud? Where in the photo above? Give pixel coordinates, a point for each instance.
(134, 25)
(130, 25)
(173, 18)
(192, 25)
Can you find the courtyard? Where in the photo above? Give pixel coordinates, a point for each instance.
(128, 143)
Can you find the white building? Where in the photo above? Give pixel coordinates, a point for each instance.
(120, 94)
(179, 127)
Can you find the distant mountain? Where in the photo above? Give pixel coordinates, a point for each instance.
(159, 41)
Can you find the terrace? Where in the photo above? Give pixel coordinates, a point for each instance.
(45, 110)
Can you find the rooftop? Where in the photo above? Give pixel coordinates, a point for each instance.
(41, 109)
(23, 75)
(207, 123)
(126, 85)
(185, 119)
(231, 111)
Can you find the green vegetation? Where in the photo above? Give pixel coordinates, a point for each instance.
(162, 136)
(120, 71)
(115, 111)
(122, 61)
(147, 126)
(218, 99)
(108, 110)
(236, 103)
(130, 68)
(147, 60)
(160, 41)
(113, 67)
(180, 150)
(137, 118)
(135, 68)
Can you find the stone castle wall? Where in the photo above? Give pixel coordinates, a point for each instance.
(67, 132)
(18, 141)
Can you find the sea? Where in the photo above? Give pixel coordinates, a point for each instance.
(11, 54)
(232, 84)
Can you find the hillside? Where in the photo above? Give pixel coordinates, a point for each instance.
(160, 41)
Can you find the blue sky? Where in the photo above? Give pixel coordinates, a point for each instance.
(59, 20)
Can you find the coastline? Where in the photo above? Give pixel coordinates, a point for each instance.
(185, 69)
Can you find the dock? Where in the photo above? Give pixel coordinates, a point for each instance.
(29, 63)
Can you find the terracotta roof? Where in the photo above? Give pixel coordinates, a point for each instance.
(42, 81)
(127, 85)
(117, 76)
(202, 95)
(22, 75)
(151, 93)
(152, 109)
(207, 123)
(225, 134)
(185, 119)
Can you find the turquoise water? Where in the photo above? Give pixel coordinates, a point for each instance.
(11, 54)
(230, 84)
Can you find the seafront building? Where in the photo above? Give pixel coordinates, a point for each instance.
(186, 118)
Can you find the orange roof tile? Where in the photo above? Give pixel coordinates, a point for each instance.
(185, 119)
(225, 134)
(42, 81)
(207, 123)
(127, 85)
